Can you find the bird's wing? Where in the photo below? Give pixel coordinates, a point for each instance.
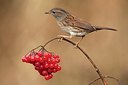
(77, 23)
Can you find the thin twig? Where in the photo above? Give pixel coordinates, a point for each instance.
(38, 47)
(51, 41)
(105, 77)
(87, 56)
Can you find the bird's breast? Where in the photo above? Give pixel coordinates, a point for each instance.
(72, 30)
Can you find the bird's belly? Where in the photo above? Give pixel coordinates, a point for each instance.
(78, 34)
(73, 32)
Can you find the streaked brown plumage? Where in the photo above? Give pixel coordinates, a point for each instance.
(72, 25)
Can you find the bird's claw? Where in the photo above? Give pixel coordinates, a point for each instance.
(61, 37)
(76, 46)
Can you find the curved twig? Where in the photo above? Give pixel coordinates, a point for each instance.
(87, 56)
(106, 77)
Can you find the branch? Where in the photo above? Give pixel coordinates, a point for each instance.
(106, 77)
(87, 56)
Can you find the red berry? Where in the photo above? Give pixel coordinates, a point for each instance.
(56, 56)
(47, 77)
(58, 68)
(55, 65)
(41, 60)
(24, 59)
(46, 65)
(54, 70)
(51, 66)
(41, 67)
(53, 61)
(49, 70)
(40, 71)
(28, 59)
(37, 58)
(40, 53)
(45, 58)
(37, 68)
(57, 60)
(44, 73)
(32, 58)
(47, 54)
(49, 60)
(50, 76)
(37, 64)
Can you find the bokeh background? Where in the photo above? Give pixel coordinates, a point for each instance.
(23, 26)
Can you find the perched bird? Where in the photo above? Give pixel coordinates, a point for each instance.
(73, 25)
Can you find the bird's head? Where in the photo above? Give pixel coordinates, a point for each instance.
(58, 13)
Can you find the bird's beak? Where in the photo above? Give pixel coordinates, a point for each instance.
(47, 12)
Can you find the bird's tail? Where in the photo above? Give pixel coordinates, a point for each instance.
(103, 28)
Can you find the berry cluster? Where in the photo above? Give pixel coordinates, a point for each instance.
(45, 62)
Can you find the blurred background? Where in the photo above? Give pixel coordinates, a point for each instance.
(24, 26)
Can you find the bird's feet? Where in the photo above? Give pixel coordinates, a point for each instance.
(76, 45)
(63, 36)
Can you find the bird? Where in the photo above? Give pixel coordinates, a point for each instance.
(73, 25)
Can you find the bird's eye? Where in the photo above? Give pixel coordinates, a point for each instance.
(53, 12)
